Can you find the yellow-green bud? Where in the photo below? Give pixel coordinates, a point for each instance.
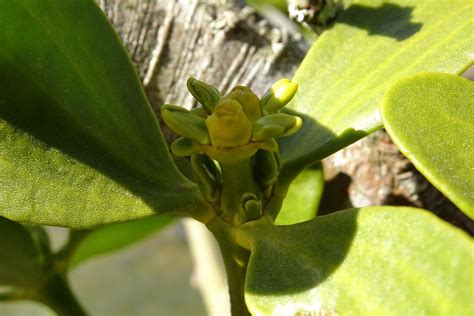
(185, 123)
(208, 176)
(250, 208)
(206, 94)
(228, 126)
(183, 147)
(249, 101)
(278, 95)
(276, 125)
(269, 167)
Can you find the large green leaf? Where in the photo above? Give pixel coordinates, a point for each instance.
(372, 44)
(431, 119)
(21, 260)
(116, 236)
(369, 261)
(306, 190)
(79, 143)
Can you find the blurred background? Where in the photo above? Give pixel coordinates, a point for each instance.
(151, 277)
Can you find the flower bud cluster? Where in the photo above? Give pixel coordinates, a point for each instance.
(232, 126)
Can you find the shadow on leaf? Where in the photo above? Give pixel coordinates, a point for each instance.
(390, 20)
(293, 258)
(38, 122)
(311, 144)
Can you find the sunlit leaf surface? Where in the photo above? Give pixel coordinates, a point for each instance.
(369, 261)
(372, 44)
(79, 143)
(431, 119)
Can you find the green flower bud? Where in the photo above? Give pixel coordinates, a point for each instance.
(228, 126)
(250, 208)
(269, 144)
(183, 147)
(205, 93)
(249, 101)
(278, 95)
(275, 125)
(185, 123)
(208, 176)
(269, 167)
(201, 112)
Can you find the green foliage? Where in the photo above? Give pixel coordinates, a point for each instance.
(369, 261)
(114, 237)
(371, 45)
(80, 143)
(307, 190)
(430, 117)
(21, 256)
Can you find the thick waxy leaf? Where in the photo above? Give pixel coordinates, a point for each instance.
(79, 143)
(21, 260)
(369, 261)
(431, 119)
(302, 199)
(372, 44)
(113, 237)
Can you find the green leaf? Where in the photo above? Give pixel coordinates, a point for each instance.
(80, 145)
(368, 261)
(431, 119)
(306, 190)
(114, 237)
(21, 260)
(372, 44)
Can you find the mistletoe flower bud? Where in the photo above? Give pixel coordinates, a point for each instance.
(228, 125)
(278, 95)
(184, 122)
(250, 208)
(276, 125)
(249, 101)
(205, 93)
(183, 147)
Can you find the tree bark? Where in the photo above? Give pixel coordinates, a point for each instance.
(222, 42)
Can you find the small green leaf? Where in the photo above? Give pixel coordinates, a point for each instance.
(369, 261)
(372, 44)
(431, 119)
(79, 143)
(302, 199)
(116, 236)
(21, 261)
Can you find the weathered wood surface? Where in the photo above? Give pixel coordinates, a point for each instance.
(227, 43)
(222, 42)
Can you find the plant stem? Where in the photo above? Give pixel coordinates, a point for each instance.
(235, 261)
(238, 179)
(57, 294)
(236, 280)
(63, 256)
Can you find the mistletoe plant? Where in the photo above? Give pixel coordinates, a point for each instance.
(81, 147)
